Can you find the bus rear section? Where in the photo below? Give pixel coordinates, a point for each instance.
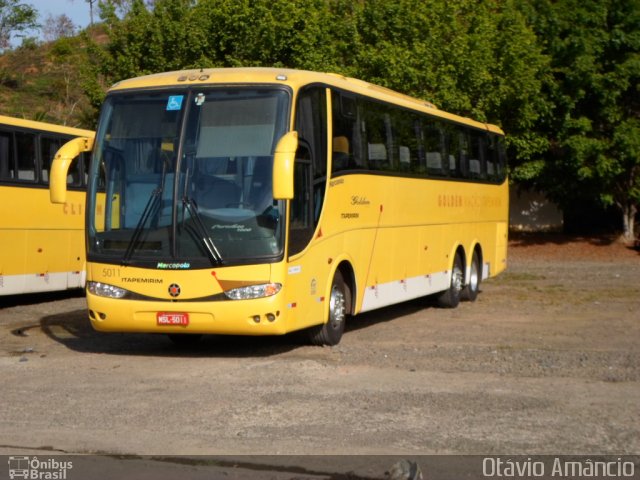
(42, 246)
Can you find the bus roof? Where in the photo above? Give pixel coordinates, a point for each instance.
(294, 79)
(46, 127)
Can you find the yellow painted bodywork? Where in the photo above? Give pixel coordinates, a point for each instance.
(39, 239)
(40, 243)
(400, 228)
(385, 229)
(206, 316)
(61, 163)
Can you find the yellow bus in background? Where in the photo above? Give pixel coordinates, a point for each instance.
(42, 246)
(261, 201)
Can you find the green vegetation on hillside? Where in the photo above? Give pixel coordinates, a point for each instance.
(46, 82)
(561, 78)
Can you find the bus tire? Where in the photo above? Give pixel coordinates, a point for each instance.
(450, 298)
(471, 289)
(330, 332)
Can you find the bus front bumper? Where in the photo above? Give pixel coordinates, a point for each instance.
(263, 316)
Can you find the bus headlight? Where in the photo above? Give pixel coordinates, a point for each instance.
(253, 291)
(106, 290)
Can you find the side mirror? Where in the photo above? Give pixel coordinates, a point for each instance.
(60, 166)
(283, 163)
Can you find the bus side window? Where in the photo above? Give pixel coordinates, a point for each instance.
(84, 165)
(76, 176)
(501, 165)
(378, 136)
(311, 125)
(435, 153)
(491, 155)
(420, 166)
(463, 158)
(26, 149)
(406, 144)
(301, 224)
(48, 148)
(452, 162)
(7, 166)
(346, 150)
(477, 162)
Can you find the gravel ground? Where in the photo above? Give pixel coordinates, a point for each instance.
(546, 361)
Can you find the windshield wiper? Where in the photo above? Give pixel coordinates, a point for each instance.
(201, 231)
(146, 213)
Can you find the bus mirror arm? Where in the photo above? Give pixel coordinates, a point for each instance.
(283, 163)
(60, 166)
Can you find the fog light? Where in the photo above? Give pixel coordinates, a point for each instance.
(256, 318)
(271, 317)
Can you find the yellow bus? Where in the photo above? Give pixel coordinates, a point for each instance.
(42, 246)
(261, 201)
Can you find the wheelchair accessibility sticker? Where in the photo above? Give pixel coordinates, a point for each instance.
(174, 102)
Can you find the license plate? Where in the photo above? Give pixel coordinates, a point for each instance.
(172, 319)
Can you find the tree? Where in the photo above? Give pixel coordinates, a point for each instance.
(57, 27)
(479, 59)
(594, 127)
(473, 58)
(15, 17)
(91, 4)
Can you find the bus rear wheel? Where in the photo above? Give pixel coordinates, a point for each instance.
(330, 332)
(472, 288)
(450, 298)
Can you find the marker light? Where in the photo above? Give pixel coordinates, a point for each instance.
(254, 291)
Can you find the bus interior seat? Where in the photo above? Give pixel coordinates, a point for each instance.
(212, 190)
(29, 175)
(378, 159)
(340, 153)
(404, 157)
(138, 193)
(434, 163)
(474, 168)
(261, 190)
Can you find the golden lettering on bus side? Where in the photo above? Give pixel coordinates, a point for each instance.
(359, 200)
(72, 208)
(468, 201)
(450, 200)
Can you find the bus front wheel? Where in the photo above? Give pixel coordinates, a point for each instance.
(330, 332)
(450, 298)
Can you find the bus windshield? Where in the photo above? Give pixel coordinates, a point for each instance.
(184, 177)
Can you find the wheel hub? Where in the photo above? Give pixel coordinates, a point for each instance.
(337, 309)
